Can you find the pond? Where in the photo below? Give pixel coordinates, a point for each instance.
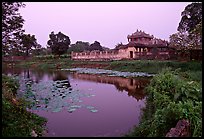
(78, 104)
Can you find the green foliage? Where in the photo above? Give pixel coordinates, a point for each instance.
(96, 46)
(11, 83)
(59, 43)
(173, 98)
(44, 57)
(28, 43)
(154, 66)
(189, 35)
(80, 46)
(191, 16)
(12, 23)
(16, 120)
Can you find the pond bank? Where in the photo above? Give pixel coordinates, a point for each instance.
(171, 98)
(16, 120)
(192, 69)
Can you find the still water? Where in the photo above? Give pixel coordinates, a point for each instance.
(82, 104)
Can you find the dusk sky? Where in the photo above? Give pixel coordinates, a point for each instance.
(106, 22)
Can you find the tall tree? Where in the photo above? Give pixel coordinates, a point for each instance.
(189, 33)
(28, 43)
(59, 43)
(195, 36)
(79, 46)
(191, 16)
(179, 40)
(118, 45)
(96, 46)
(12, 23)
(38, 50)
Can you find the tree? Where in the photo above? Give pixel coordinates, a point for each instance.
(96, 46)
(195, 36)
(59, 43)
(38, 50)
(28, 43)
(117, 46)
(189, 33)
(191, 16)
(179, 40)
(79, 46)
(12, 23)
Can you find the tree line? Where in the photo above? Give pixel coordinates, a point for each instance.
(16, 42)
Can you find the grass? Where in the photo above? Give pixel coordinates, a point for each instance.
(153, 66)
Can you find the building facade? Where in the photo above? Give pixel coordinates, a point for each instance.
(140, 46)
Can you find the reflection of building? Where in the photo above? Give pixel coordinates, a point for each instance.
(134, 87)
(140, 46)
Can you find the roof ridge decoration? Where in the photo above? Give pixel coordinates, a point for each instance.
(140, 33)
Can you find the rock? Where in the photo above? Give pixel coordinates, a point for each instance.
(181, 129)
(33, 134)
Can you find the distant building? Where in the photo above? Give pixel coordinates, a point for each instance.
(140, 46)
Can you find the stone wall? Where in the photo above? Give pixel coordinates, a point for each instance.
(99, 55)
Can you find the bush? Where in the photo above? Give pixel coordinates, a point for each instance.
(10, 82)
(16, 120)
(171, 98)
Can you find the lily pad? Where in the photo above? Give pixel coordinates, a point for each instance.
(94, 110)
(75, 106)
(71, 110)
(89, 107)
(57, 110)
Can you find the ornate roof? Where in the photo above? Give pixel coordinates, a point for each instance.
(140, 34)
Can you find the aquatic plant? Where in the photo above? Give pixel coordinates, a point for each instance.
(53, 96)
(110, 72)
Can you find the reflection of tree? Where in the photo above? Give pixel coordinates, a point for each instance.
(11, 70)
(62, 79)
(38, 75)
(59, 75)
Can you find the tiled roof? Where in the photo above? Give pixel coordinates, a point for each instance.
(139, 34)
(136, 44)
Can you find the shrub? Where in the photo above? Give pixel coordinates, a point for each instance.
(173, 98)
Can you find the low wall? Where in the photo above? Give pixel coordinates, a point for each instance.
(119, 55)
(97, 55)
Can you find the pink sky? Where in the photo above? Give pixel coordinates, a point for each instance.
(106, 22)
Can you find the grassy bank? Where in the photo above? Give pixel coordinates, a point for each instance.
(170, 98)
(16, 120)
(191, 69)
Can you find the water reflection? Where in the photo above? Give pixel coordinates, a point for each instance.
(134, 87)
(81, 104)
(11, 70)
(61, 79)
